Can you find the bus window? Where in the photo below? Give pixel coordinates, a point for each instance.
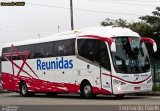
(65, 47)
(32, 51)
(4, 50)
(39, 52)
(49, 49)
(104, 56)
(94, 50)
(88, 48)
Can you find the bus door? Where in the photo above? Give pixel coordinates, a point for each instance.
(88, 60)
(97, 65)
(105, 68)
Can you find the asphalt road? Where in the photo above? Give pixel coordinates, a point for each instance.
(76, 103)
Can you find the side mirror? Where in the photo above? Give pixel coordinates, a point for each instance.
(150, 41)
(155, 47)
(113, 47)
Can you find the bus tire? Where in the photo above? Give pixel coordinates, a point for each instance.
(24, 90)
(86, 91)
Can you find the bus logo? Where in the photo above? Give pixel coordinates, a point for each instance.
(59, 63)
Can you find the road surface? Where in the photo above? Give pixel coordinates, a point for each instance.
(76, 103)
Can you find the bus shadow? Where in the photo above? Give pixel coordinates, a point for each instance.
(70, 96)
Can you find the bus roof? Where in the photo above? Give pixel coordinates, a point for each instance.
(108, 31)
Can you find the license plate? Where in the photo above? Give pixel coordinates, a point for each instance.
(137, 88)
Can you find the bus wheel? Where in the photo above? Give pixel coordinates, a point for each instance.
(24, 90)
(86, 91)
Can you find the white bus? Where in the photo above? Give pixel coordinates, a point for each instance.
(102, 60)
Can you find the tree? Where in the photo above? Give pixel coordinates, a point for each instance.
(154, 22)
(142, 28)
(118, 22)
(107, 22)
(149, 26)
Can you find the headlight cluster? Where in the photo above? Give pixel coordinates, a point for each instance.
(149, 81)
(116, 82)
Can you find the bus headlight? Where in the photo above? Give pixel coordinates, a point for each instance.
(118, 88)
(118, 82)
(149, 81)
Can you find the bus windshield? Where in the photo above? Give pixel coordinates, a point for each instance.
(131, 56)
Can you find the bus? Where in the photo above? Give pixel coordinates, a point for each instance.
(100, 60)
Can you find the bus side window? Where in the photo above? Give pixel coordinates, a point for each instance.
(49, 49)
(104, 56)
(39, 52)
(59, 48)
(4, 50)
(88, 48)
(20, 49)
(65, 47)
(31, 49)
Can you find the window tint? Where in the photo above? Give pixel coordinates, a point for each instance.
(5, 50)
(65, 47)
(21, 49)
(88, 48)
(39, 51)
(44, 50)
(31, 49)
(47, 49)
(104, 56)
(95, 51)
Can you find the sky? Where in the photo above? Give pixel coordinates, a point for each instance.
(42, 18)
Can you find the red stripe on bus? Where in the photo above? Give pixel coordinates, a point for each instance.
(11, 82)
(19, 54)
(109, 40)
(126, 80)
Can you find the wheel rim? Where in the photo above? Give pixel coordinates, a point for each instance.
(87, 90)
(24, 89)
